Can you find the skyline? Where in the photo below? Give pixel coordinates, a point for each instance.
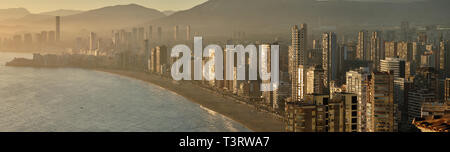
(83, 5)
(347, 67)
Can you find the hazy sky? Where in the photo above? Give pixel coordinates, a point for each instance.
(36, 6)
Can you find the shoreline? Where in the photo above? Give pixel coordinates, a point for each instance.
(244, 114)
(253, 117)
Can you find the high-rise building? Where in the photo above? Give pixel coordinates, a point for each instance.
(134, 37)
(316, 44)
(141, 35)
(397, 65)
(38, 40)
(147, 54)
(266, 67)
(176, 33)
(390, 35)
(51, 37)
(150, 33)
(390, 49)
(404, 28)
(422, 37)
(418, 50)
(162, 59)
(405, 51)
(377, 49)
(188, 33)
(159, 34)
(318, 113)
(93, 41)
(416, 99)
(152, 60)
(44, 38)
(329, 57)
(302, 117)
(58, 28)
(358, 83)
(350, 103)
(307, 116)
(17, 41)
(298, 49)
(314, 81)
(444, 50)
(381, 108)
(27, 40)
(428, 78)
(362, 49)
(447, 90)
(301, 72)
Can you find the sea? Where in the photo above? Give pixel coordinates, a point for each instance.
(79, 100)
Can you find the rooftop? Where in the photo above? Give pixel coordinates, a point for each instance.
(433, 123)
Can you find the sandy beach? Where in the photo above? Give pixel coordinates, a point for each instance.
(245, 114)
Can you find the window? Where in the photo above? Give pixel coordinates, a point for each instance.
(354, 99)
(354, 107)
(325, 101)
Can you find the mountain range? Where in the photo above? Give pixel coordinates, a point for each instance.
(106, 18)
(61, 12)
(216, 17)
(224, 16)
(13, 13)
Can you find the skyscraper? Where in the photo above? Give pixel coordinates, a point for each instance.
(159, 34)
(162, 59)
(362, 48)
(314, 81)
(377, 49)
(415, 100)
(152, 60)
(147, 54)
(447, 90)
(404, 28)
(92, 41)
(396, 65)
(134, 37)
(390, 49)
(27, 40)
(298, 50)
(140, 35)
(176, 33)
(329, 57)
(381, 103)
(350, 111)
(150, 33)
(44, 38)
(318, 113)
(444, 50)
(51, 37)
(405, 51)
(358, 83)
(58, 28)
(188, 33)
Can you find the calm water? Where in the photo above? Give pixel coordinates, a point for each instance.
(33, 99)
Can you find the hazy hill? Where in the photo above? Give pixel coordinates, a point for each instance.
(223, 16)
(61, 12)
(113, 17)
(105, 19)
(13, 13)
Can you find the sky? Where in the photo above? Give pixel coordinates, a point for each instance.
(37, 6)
